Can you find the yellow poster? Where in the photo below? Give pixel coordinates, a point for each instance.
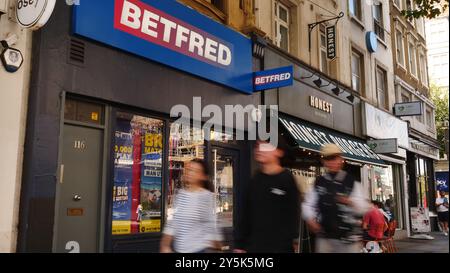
(121, 227)
(150, 225)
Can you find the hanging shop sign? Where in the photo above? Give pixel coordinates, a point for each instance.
(331, 42)
(34, 14)
(408, 109)
(381, 125)
(313, 137)
(320, 104)
(383, 146)
(371, 42)
(274, 78)
(172, 34)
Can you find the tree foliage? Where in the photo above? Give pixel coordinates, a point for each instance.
(440, 98)
(427, 8)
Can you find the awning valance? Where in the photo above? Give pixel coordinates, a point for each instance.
(313, 137)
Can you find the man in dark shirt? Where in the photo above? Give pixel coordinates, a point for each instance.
(271, 210)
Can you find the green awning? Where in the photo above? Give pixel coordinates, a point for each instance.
(312, 137)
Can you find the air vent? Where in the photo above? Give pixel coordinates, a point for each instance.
(76, 52)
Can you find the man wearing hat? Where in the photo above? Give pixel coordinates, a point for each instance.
(334, 205)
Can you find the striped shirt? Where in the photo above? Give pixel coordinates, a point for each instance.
(193, 224)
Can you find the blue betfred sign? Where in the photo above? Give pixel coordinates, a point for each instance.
(275, 78)
(442, 181)
(172, 34)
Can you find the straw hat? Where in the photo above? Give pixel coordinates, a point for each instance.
(330, 150)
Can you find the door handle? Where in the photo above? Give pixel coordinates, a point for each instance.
(76, 197)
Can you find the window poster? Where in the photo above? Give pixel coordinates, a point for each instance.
(137, 191)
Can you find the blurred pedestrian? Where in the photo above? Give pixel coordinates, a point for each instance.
(334, 206)
(271, 212)
(192, 228)
(374, 223)
(442, 210)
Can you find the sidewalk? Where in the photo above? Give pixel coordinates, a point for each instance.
(440, 244)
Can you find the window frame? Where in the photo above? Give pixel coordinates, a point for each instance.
(385, 91)
(360, 55)
(423, 70)
(358, 8)
(402, 48)
(278, 23)
(378, 25)
(323, 49)
(411, 44)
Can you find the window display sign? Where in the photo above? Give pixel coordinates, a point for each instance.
(137, 191)
(172, 34)
(420, 219)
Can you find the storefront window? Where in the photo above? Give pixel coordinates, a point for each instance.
(184, 146)
(137, 192)
(384, 187)
(223, 180)
(422, 183)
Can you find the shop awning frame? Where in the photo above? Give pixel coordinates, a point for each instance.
(311, 137)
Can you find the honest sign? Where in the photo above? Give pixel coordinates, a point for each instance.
(274, 78)
(171, 34)
(331, 42)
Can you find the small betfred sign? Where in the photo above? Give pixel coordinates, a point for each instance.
(274, 78)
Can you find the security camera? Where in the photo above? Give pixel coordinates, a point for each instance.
(12, 59)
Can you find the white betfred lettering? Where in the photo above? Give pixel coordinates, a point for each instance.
(168, 26)
(276, 78)
(224, 57)
(288, 76)
(258, 81)
(211, 50)
(151, 23)
(133, 12)
(150, 20)
(181, 35)
(196, 42)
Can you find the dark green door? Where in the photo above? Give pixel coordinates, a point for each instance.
(79, 195)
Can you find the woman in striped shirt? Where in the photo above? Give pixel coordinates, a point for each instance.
(193, 226)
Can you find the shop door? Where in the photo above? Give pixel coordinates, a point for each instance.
(225, 177)
(81, 169)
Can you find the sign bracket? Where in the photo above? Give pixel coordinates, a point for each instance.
(313, 25)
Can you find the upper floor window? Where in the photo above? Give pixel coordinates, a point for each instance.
(423, 69)
(429, 117)
(357, 70)
(412, 59)
(324, 65)
(378, 20)
(420, 117)
(400, 48)
(398, 3)
(282, 26)
(382, 88)
(410, 6)
(354, 7)
(218, 4)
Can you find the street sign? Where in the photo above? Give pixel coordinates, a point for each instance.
(408, 109)
(274, 78)
(384, 146)
(331, 42)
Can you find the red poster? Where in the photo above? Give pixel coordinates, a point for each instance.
(136, 184)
